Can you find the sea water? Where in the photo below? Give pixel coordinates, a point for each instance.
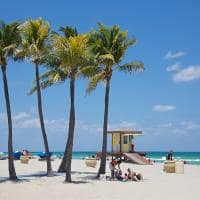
(190, 157)
(159, 157)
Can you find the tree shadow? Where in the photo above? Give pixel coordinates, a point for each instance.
(76, 182)
(85, 178)
(27, 177)
(91, 173)
(6, 179)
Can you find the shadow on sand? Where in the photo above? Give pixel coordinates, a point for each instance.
(87, 176)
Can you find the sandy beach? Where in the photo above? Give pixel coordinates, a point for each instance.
(155, 186)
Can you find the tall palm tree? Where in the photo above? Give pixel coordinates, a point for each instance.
(35, 47)
(67, 61)
(9, 41)
(109, 44)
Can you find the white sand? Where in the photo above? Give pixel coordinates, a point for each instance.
(157, 185)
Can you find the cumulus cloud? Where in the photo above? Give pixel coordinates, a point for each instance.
(190, 125)
(123, 125)
(174, 55)
(23, 120)
(172, 128)
(163, 108)
(166, 125)
(21, 115)
(126, 124)
(174, 67)
(29, 123)
(187, 74)
(88, 127)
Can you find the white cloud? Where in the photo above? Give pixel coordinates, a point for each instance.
(123, 125)
(21, 115)
(23, 120)
(172, 128)
(166, 125)
(190, 125)
(88, 127)
(29, 123)
(163, 108)
(126, 124)
(188, 74)
(174, 55)
(174, 67)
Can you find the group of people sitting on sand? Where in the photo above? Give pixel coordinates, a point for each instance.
(117, 174)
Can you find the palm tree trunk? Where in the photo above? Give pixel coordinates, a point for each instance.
(49, 168)
(12, 173)
(102, 168)
(63, 167)
(70, 139)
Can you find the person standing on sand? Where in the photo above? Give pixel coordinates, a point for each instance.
(112, 165)
(170, 155)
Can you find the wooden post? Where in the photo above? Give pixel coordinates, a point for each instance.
(120, 142)
(112, 143)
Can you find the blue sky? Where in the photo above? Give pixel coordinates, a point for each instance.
(163, 101)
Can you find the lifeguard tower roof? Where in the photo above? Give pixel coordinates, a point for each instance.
(126, 132)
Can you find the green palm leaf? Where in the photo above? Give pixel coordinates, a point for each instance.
(94, 81)
(132, 67)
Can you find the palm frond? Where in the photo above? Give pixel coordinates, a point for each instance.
(132, 67)
(106, 58)
(49, 78)
(35, 35)
(109, 44)
(9, 40)
(94, 81)
(69, 31)
(45, 84)
(88, 71)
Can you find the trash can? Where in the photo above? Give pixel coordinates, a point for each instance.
(179, 167)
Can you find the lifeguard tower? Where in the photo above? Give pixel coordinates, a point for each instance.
(123, 146)
(122, 140)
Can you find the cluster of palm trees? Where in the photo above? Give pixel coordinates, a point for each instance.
(67, 55)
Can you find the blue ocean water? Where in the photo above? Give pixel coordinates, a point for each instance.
(190, 157)
(159, 157)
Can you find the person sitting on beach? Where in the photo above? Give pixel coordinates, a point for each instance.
(25, 153)
(119, 176)
(134, 176)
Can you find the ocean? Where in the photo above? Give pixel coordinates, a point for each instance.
(192, 158)
(159, 157)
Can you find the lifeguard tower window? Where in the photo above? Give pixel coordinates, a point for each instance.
(130, 137)
(125, 139)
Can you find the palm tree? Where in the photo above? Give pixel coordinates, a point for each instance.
(35, 47)
(67, 61)
(109, 45)
(9, 41)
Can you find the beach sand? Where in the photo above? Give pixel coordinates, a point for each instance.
(155, 186)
